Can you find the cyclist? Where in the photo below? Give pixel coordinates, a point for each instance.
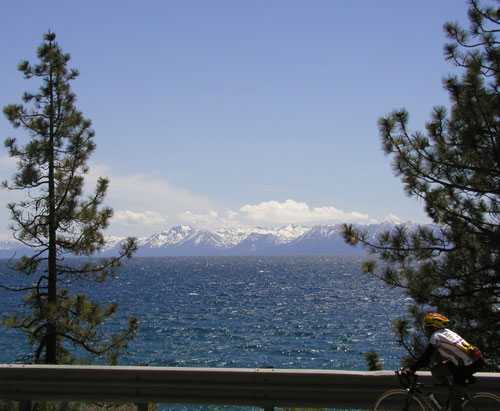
(459, 359)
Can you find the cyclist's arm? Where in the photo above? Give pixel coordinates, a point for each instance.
(424, 359)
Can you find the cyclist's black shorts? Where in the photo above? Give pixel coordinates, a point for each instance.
(461, 375)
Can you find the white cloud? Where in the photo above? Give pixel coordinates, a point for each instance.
(146, 192)
(272, 214)
(129, 218)
(295, 212)
(144, 204)
(209, 219)
(5, 237)
(212, 220)
(393, 218)
(7, 168)
(7, 165)
(7, 171)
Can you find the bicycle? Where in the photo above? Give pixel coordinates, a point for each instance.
(416, 396)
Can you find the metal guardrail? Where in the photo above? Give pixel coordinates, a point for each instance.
(261, 387)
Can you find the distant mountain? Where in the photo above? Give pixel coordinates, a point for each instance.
(188, 241)
(12, 249)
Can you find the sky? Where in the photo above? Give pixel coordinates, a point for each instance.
(226, 113)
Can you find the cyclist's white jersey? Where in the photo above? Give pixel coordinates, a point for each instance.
(453, 347)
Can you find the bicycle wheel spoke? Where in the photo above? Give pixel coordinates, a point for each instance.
(398, 400)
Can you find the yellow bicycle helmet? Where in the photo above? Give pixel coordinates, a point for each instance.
(435, 320)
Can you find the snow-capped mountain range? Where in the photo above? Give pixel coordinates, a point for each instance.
(188, 241)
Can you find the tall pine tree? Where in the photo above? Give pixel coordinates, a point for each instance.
(57, 221)
(454, 168)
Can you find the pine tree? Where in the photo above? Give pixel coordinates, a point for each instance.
(57, 221)
(454, 169)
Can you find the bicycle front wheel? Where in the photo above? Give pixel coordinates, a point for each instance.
(399, 400)
(482, 401)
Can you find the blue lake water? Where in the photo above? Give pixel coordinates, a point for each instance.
(303, 312)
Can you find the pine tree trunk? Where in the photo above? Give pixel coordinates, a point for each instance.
(51, 342)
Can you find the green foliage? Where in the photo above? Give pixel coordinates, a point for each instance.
(56, 220)
(373, 361)
(454, 169)
(9, 405)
